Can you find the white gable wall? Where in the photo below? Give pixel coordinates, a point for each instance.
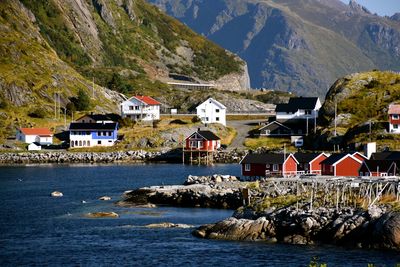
(211, 111)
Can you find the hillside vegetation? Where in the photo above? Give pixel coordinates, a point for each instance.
(53, 49)
(362, 101)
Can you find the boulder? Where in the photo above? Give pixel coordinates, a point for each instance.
(56, 194)
(386, 232)
(105, 198)
(168, 225)
(102, 214)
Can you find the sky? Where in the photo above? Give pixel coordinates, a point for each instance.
(381, 7)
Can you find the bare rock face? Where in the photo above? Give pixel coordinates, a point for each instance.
(234, 81)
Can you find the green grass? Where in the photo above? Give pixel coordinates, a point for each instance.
(269, 143)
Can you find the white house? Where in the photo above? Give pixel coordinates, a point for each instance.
(92, 134)
(212, 111)
(142, 108)
(394, 118)
(41, 136)
(298, 108)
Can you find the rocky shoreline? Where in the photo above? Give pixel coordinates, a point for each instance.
(377, 227)
(173, 156)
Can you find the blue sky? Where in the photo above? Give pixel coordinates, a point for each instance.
(381, 7)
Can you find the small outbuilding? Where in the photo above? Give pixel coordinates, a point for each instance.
(341, 165)
(309, 163)
(42, 136)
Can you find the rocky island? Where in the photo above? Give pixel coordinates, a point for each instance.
(270, 214)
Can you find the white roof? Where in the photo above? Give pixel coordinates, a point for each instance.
(212, 100)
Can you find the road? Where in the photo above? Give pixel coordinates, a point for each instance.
(242, 128)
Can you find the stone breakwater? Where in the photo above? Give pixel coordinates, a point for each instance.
(348, 227)
(108, 157)
(77, 157)
(217, 191)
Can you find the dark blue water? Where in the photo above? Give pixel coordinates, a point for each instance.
(37, 230)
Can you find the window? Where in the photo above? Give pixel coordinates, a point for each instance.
(395, 117)
(395, 126)
(193, 144)
(137, 107)
(267, 166)
(217, 118)
(206, 118)
(306, 166)
(200, 144)
(130, 107)
(267, 132)
(203, 110)
(99, 142)
(99, 133)
(88, 143)
(275, 167)
(217, 110)
(331, 168)
(308, 112)
(109, 133)
(247, 167)
(361, 173)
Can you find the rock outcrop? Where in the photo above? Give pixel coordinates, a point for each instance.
(346, 227)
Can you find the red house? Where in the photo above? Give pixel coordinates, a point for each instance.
(310, 162)
(378, 168)
(205, 141)
(341, 165)
(262, 165)
(394, 118)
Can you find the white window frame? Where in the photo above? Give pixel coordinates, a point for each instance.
(275, 167)
(247, 167)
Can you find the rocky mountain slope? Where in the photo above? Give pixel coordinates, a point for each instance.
(362, 101)
(62, 47)
(301, 46)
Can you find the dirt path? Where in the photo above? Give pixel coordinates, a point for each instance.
(242, 128)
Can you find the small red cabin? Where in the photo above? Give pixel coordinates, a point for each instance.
(310, 162)
(261, 165)
(202, 141)
(378, 168)
(341, 165)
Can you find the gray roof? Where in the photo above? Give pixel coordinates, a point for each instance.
(92, 126)
(296, 103)
(268, 158)
(305, 157)
(333, 158)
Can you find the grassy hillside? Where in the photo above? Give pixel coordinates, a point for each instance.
(362, 98)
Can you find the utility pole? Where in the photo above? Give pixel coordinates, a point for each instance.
(315, 123)
(92, 87)
(307, 127)
(335, 116)
(55, 106)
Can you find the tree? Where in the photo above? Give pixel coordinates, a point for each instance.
(82, 101)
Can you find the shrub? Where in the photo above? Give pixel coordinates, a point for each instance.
(178, 121)
(126, 122)
(37, 113)
(195, 119)
(373, 84)
(3, 104)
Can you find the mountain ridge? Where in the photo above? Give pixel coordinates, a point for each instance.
(301, 46)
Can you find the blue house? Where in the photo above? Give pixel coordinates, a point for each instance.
(92, 134)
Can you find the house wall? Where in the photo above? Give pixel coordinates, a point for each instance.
(315, 166)
(327, 169)
(358, 156)
(207, 145)
(92, 138)
(348, 167)
(44, 140)
(255, 170)
(290, 166)
(207, 112)
(394, 123)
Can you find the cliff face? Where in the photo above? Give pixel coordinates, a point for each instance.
(300, 46)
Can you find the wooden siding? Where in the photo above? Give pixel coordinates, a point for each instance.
(316, 167)
(348, 167)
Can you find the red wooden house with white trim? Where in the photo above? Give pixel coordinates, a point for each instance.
(341, 165)
(202, 141)
(310, 162)
(201, 144)
(269, 164)
(394, 118)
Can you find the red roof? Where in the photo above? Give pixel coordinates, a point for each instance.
(394, 109)
(148, 100)
(36, 131)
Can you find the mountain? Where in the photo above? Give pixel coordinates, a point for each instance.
(301, 46)
(362, 101)
(50, 47)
